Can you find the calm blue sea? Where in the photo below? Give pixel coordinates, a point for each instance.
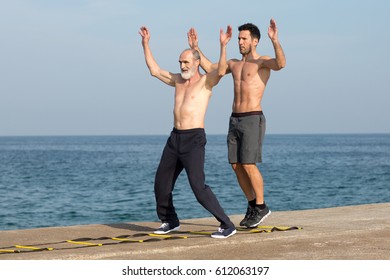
(60, 181)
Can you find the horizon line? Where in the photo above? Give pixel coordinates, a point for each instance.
(208, 134)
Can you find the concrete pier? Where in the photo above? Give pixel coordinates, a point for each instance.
(343, 233)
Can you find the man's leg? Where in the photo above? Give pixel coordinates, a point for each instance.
(251, 183)
(255, 182)
(193, 158)
(166, 176)
(257, 211)
(244, 181)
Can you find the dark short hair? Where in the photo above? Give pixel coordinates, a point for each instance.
(253, 30)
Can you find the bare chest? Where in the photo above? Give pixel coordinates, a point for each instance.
(245, 71)
(190, 95)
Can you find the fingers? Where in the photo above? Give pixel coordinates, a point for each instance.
(143, 31)
(225, 37)
(272, 22)
(229, 30)
(192, 33)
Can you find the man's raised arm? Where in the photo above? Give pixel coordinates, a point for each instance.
(279, 61)
(205, 63)
(224, 39)
(214, 76)
(154, 68)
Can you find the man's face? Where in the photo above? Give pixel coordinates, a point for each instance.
(245, 42)
(188, 65)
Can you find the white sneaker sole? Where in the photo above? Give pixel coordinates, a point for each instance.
(255, 225)
(164, 232)
(222, 237)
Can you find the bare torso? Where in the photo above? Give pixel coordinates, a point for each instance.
(250, 80)
(191, 101)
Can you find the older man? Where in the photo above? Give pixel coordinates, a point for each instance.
(185, 148)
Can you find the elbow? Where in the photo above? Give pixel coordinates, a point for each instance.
(221, 70)
(153, 72)
(281, 65)
(220, 73)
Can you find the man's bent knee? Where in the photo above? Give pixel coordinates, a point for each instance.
(236, 166)
(249, 167)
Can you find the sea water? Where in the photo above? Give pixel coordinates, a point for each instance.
(73, 180)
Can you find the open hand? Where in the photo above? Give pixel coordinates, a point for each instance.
(224, 38)
(272, 30)
(192, 38)
(145, 34)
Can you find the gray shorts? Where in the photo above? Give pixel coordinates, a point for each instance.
(245, 137)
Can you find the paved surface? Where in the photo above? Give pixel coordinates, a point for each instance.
(343, 233)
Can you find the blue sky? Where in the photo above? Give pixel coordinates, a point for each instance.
(77, 67)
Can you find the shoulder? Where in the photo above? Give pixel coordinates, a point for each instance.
(176, 77)
(264, 57)
(263, 61)
(234, 60)
(233, 63)
(199, 79)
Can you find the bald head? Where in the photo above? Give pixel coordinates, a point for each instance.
(189, 63)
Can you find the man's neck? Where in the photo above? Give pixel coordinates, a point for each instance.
(250, 56)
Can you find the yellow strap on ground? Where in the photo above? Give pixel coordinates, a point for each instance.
(267, 229)
(83, 243)
(281, 228)
(126, 239)
(201, 232)
(32, 248)
(165, 236)
(9, 251)
(258, 229)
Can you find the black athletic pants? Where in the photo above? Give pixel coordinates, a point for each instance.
(185, 149)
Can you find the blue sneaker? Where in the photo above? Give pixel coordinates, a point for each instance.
(167, 227)
(224, 233)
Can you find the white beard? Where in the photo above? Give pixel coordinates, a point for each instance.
(187, 75)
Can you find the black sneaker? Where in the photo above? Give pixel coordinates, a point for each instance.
(167, 227)
(224, 233)
(247, 215)
(258, 215)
